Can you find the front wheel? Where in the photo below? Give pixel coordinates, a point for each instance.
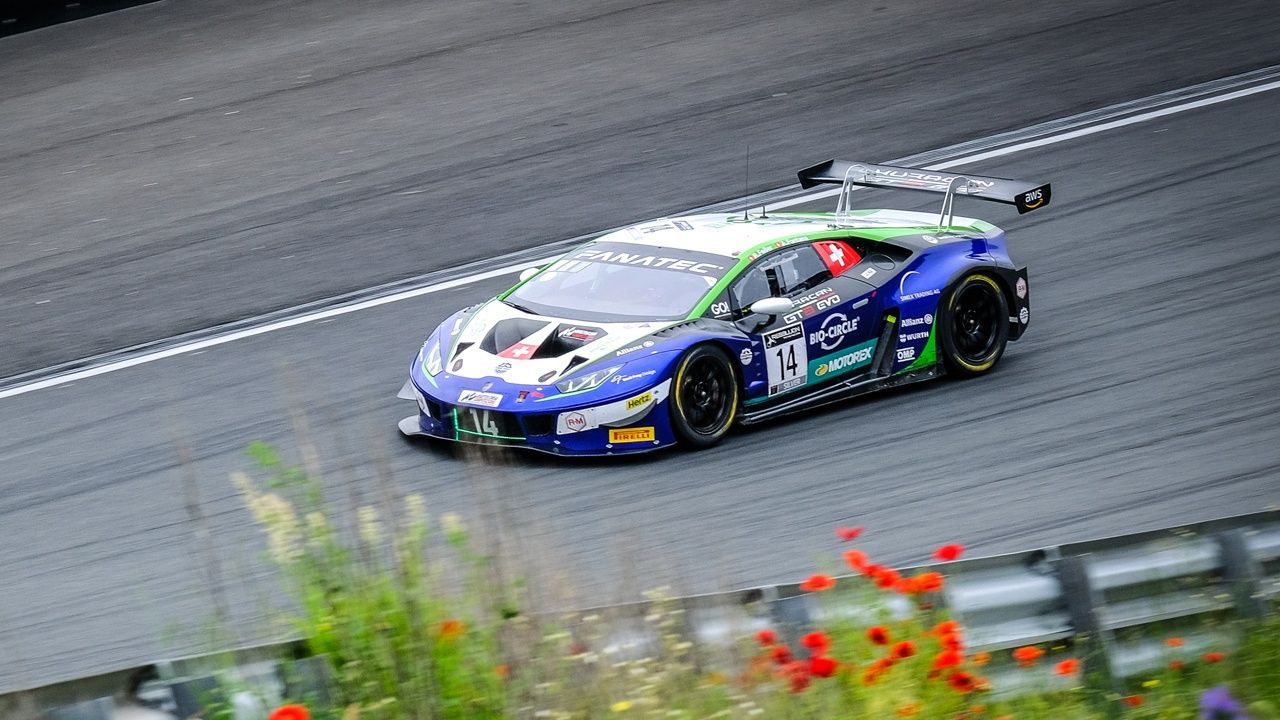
(974, 325)
(704, 397)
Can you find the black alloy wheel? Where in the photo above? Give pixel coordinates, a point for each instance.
(704, 396)
(974, 325)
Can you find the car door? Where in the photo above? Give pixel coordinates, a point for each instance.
(824, 337)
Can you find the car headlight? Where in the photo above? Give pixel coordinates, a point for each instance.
(434, 364)
(588, 381)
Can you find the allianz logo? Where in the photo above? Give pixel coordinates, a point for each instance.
(912, 322)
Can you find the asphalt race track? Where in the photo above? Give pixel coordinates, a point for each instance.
(1143, 395)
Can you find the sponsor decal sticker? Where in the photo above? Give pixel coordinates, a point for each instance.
(910, 337)
(477, 397)
(868, 273)
(502, 367)
(634, 376)
(654, 261)
(912, 322)
(921, 294)
(520, 397)
(578, 333)
(746, 356)
(639, 401)
(630, 435)
(906, 353)
(573, 421)
(843, 362)
(833, 330)
(822, 303)
(633, 348)
(1024, 315)
(720, 308)
(1021, 287)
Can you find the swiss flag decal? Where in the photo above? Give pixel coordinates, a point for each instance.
(519, 351)
(837, 255)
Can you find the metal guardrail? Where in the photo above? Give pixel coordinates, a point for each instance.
(1092, 599)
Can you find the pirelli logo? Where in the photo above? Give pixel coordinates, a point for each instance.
(639, 400)
(630, 435)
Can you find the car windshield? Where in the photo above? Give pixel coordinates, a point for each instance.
(621, 282)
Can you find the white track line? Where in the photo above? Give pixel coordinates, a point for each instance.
(509, 269)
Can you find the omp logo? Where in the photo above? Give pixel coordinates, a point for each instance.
(912, 322)
(833, 329)
(629, 435)
(639, 400)
(847, 361)
(906, 353)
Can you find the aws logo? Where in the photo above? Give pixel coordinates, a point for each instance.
(1033, 199)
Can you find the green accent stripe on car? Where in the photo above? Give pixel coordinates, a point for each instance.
(929, 355)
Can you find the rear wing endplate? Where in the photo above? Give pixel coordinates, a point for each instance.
(1024, 195)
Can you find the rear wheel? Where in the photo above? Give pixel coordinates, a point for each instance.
(704, 397)
(974, 325)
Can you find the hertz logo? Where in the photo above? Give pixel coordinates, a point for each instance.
(639, 400)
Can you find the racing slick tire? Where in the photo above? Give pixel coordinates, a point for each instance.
(704, 396)
(974, 325)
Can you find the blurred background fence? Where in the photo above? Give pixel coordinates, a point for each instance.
(1110, 602)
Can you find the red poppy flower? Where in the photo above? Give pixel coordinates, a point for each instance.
(947, 658)
(878, 634)
(903, 650)
(927, 582)
(816, 641)
(781, 654)
(452, 628)
(848, 533)
(1176, 664)
(767, 637)
(1173, 642)
(290, 712)
(818, 583)
(947, 553)
(1213, 657)
(797, 675)
(823, 667)
(1134, 700)
(872, 569)
(1067, 667)
(502, 671)
(1027, 655)
(947, 627)
(888, 578)
(856, 559)
(961, 681)
(952, 641)
(981, 658)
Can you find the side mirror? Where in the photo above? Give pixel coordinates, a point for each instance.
(527, 273)
(771, 306)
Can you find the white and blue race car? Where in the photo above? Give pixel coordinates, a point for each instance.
(672, 331)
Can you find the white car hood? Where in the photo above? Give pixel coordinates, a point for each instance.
(513, 364)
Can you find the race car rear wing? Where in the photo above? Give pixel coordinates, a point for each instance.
(1026, 196)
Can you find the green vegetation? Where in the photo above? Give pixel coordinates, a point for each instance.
(413, 622)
